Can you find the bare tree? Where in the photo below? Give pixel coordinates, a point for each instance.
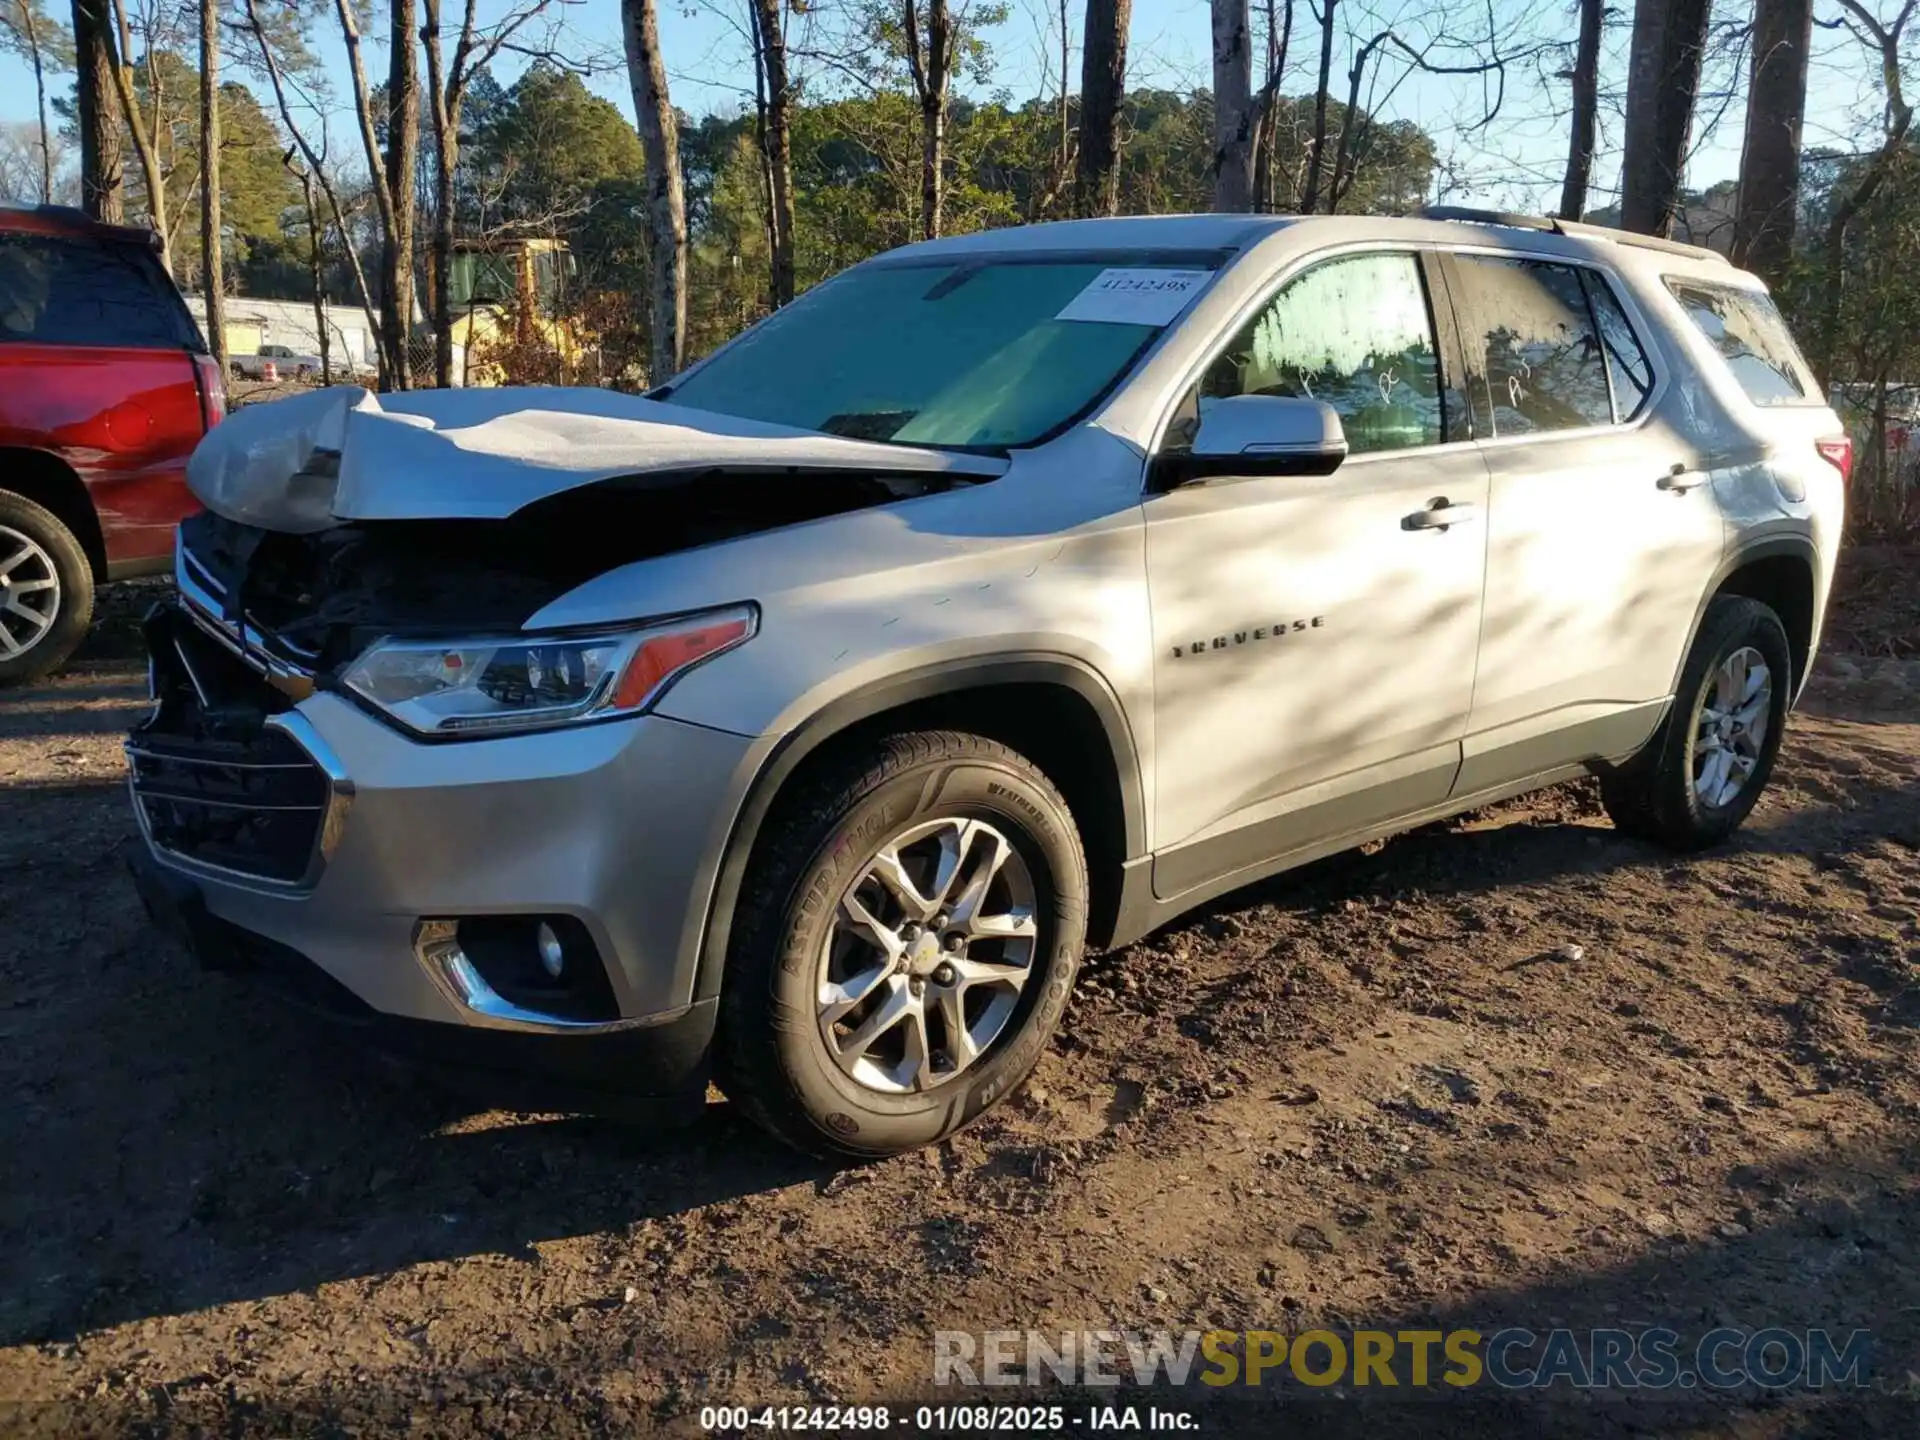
(1769, 202)
(100, 178)
(666, 193)
(143, 145)
(1310, 190)
(1883, 39)
(1663, 82)
(774, 94)
(1103, 84)
(447, 82)
(403, 152)
(931, 67)
(315, 172)
(26, 27)
(213, 277)
(1357, 123)
(1232, 166)
(1266, 134)
(394, 202)
(1584, 129)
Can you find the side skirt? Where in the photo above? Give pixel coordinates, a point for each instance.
(1141, 912)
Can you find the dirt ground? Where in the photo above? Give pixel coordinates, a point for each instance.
(1512, 1069)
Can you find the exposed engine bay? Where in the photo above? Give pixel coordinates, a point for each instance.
(323, 596)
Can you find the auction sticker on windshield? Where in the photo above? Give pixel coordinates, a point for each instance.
(1135, 297)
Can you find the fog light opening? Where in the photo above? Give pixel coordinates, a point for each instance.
(553, 955)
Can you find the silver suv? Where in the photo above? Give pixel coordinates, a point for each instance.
(800, 724)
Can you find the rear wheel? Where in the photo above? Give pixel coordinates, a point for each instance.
(906, 948)
(1703, 771)
(46, 591)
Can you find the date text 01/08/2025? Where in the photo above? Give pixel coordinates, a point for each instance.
(1039, 1420)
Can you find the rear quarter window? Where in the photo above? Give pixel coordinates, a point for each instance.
(81, 291)
(1746, 331)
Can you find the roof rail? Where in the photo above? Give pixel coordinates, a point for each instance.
(1471, 216)
(1554, 225)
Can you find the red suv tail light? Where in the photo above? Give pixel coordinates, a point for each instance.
(1837, 451)
(213, 390)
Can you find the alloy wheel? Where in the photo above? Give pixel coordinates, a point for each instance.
(929, 952)
(29, 593)
(1730, 726)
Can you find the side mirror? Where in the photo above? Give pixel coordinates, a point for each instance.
(1244, 436)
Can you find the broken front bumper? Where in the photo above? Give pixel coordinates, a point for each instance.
(614, 831)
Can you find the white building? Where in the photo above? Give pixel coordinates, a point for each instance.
(252, 323)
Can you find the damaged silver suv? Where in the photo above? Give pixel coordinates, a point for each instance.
(798, 725)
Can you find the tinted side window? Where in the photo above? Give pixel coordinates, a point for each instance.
(1628, 367)
(1355, 333)
(1535, 364)
(85, 292)
(1747, 330)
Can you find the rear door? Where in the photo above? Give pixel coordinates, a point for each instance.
(1603, 528)
(100, 363)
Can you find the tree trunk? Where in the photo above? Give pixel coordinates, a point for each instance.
(1066, 47)
(317, 274)
(143, 146)
(212, 271)
(770, 42)
(1310, 192)
(99, 135)
(1769, 204)
(1586, 111)
(30, 21)
(1232, 107)
(403, 150)
(1103, 87)
(666, 192)
(932, 72)
(1267, 124)
(392, 356)
(444, 103)
(1663, 81)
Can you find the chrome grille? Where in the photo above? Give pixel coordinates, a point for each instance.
(224, 776)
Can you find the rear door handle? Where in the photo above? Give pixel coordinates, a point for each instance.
(1439, 514)
(1680, 479)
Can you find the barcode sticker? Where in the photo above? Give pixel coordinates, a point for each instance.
(1135, 297)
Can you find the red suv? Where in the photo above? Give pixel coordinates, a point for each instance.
(105, 388)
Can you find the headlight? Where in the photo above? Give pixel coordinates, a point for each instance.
(537, 682)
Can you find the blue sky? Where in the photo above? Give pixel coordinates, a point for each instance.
(1515, 162)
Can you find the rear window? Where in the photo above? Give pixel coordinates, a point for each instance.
(79, 291)
(1747, 331)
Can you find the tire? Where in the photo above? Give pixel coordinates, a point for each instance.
(954, 791)
(1666, 793)
(37, 548)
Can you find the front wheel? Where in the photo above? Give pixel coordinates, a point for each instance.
(46, 591)
(905, 948)
(1702, 772)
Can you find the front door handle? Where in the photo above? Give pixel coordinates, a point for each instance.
(1679, 480)
(1439, 514)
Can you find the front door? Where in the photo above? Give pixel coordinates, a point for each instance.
(1315, 636)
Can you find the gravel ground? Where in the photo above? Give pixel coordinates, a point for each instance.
(1512, 1069)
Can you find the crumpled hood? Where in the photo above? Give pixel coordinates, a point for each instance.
(308, 462)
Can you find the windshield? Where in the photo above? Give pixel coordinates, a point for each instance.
(980, 353)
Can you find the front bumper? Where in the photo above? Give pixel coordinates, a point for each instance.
(620, 826)
(655, 1070)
